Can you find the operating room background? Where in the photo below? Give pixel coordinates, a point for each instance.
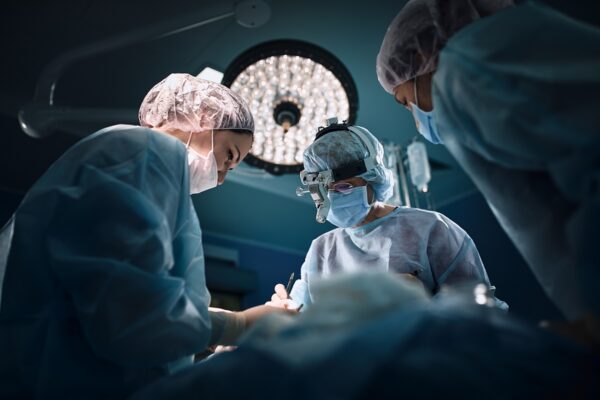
(255, 214)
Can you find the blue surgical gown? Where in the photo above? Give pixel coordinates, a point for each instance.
(516, 101)
(406, 241)
(104, 286)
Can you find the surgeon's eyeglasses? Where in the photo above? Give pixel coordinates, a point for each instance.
(342, 187)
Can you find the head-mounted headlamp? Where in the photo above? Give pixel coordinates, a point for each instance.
(317, 183)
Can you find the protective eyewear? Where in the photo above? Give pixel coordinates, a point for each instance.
(342, 187)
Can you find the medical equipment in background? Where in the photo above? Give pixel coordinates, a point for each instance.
(413, 162)
(420, 172)
(317, 183)
(42, 117)
(291, 87)
(393, 159)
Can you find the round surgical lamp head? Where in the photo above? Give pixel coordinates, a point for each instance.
(287, 114)
(291, 87)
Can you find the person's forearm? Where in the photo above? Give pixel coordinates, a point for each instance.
(227, 327)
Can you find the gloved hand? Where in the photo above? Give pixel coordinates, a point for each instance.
(217, 309)
(228, 326)
(222, 349)
(281, 299)
(237, 322)
(251, 315)
(412, 278)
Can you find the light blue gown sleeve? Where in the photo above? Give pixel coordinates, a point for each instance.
(111, 248)
(454, 258)
(308, 273)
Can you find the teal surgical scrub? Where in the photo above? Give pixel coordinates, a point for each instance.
(516, 102)
(103, 285)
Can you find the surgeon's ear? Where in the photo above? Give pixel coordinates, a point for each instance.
(423, 83)
(423, 57)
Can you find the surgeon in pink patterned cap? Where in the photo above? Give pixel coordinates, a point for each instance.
(102, 264)
(214, 123)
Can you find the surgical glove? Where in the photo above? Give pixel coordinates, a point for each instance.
(222, 349)
(281, 299)
(252, 315)
(412, 278)
(227, 326)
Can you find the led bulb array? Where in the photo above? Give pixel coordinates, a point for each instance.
(312, 88)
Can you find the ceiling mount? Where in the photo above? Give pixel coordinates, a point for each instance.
(252, 13)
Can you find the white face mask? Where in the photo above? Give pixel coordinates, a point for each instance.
(203, 169)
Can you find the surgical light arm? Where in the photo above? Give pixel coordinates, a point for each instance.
(42, 117)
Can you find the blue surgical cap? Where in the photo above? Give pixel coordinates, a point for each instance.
(338, 148)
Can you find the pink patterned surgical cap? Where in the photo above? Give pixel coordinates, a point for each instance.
(191, 104)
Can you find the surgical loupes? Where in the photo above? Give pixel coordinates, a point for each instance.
(317, 184)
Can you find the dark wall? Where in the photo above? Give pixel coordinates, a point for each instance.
(584, 10)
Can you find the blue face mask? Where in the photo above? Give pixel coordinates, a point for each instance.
(348, 209)
(425, 120)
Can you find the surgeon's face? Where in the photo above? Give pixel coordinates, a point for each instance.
(344, 185)
(405, 92)
(230, 147)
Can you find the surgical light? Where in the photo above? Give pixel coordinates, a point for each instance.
(291, 87)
